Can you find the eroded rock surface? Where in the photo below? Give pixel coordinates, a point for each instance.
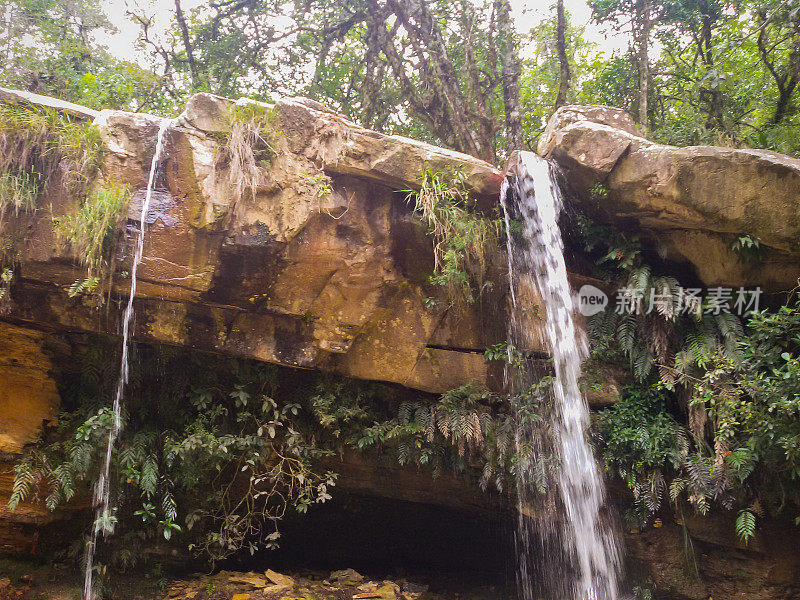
(694, 202)
(702, 558)
(320, 263)
(29, 401)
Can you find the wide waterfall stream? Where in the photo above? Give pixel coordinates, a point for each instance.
(104, 518)
(531, 197)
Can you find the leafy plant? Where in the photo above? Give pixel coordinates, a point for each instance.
(91, 232)
(6, 277)
(38, 142)
(207, 458)
(745, 525)
(40, 146)
(750, 250)
(462, 238)
(18, 192)
(741, 445)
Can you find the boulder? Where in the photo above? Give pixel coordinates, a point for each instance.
(692, 202)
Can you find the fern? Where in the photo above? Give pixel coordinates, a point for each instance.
(88, 284)
(25, 477)
(148, 481)
(745, 525)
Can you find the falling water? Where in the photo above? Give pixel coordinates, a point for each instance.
(531, 195)
(104, 520)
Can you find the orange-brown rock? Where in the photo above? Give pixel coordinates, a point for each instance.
(691, 202)
(28, 401)
(322, 264)
(28, 396)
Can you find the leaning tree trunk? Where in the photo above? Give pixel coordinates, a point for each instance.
(563, 62)
(187, 43)
(511, 70)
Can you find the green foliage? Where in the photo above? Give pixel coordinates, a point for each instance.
(541, 71)
(51, 47)
(6, 277)
(40, 147)
(37, 142)
(655, 322)
(642, 444)
(744, 449)
(745, 525)
(18, 192)
(91, 232)
(462, 239)
(750, 250)
(207, 457)
(461, 431)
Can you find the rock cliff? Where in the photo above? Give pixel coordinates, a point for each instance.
(691, 203)
(322, 263)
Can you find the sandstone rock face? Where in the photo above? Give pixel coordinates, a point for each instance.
(28, 401)
(706, 560)
(28, 396)
(321, 263)
(694, 202)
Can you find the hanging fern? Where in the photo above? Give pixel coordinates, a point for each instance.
(745, 525)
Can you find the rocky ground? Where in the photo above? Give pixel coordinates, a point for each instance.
(24, 581)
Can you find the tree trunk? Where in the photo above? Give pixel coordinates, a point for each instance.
(187, 43)
(511, 70)
(716, 108)
(643, 27)
(563, 62)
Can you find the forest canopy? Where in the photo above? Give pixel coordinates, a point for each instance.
(460, 74)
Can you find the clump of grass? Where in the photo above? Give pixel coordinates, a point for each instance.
(249, 148)
(36, 142)
(17, 192)
(91, 231)
(462, 238)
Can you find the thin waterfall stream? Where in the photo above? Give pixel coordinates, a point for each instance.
(530, 196)
(104, 519)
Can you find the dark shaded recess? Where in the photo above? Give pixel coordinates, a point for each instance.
(392, 538)
(247, 262)
(412, 249)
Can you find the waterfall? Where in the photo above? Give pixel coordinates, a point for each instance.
(104, 519)
(531, 197)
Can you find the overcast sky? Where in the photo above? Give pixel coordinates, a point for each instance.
(528, 13)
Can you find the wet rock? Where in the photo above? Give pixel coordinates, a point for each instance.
(29, 396)
(346, 576)
(252, 579)
(321, 265)
(279, 579)
(413, 588)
